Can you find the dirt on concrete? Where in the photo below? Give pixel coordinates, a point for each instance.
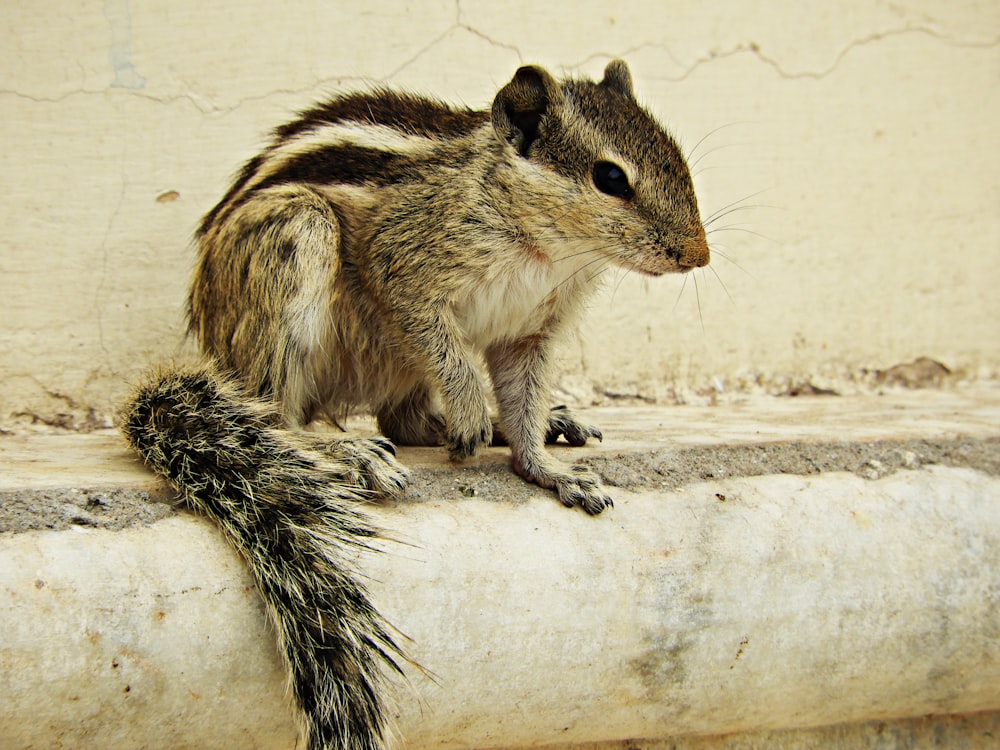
(112, 508)
(116, 508)
(670, 469)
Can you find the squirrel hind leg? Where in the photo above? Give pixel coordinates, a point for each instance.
(268, 275)
(563, 423)
(415, 419)
(367, 463)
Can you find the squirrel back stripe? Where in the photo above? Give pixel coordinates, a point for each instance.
(352, 140)
(405, 112)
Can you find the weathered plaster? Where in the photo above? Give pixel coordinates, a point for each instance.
(855, 142)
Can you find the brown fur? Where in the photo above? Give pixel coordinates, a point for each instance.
(384, 241)
(369, 257)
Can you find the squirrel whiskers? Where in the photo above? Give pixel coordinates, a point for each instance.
(292, 513)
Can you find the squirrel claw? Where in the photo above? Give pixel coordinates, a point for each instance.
(369, 463)
(583, 487)
(384, 444)
(564, 423)
(461, 447)
(579, 486)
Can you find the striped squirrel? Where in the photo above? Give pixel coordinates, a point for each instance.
(367, 257)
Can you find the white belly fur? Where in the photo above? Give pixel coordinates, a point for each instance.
(521, 300)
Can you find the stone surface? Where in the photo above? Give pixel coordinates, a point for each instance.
(742, 604)
(758, 597)
(745, 604)
(146, 637)
(973, 732)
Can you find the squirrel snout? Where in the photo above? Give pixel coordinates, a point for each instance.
(694, 251)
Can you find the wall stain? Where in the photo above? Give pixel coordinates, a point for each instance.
(119, 17)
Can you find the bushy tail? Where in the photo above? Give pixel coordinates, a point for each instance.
(291, 513)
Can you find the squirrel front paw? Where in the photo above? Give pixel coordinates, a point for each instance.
(463, 443)
(575, 485)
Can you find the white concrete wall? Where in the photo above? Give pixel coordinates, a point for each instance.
(868, 130)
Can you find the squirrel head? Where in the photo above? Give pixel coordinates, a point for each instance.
(614, 175)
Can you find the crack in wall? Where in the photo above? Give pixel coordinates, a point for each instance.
(100, 300)
(784, 72)
(462, 24)
(459, 24)
(782, 69)
(747, 47)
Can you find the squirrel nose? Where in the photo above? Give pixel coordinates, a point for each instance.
(694, 252)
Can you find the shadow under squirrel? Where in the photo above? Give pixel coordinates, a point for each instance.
(366, 257)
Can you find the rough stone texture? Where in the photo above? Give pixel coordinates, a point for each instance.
(753, 578)
(115, 508)
(112, 508)
(54, 479)
(794, 602)
(669, 469)
(974, 732)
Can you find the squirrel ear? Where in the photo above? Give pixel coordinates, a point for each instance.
(618, 78)
(520, 105)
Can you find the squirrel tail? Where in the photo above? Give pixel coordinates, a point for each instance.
(291, 512)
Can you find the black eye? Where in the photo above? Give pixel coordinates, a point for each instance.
(611, 179)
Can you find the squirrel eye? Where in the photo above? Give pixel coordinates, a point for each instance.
(610, 178)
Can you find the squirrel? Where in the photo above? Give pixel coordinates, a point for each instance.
(378, 246)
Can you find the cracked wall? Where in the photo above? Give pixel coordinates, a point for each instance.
(856, 143)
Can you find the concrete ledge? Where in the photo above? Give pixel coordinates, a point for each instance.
(725, 605)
